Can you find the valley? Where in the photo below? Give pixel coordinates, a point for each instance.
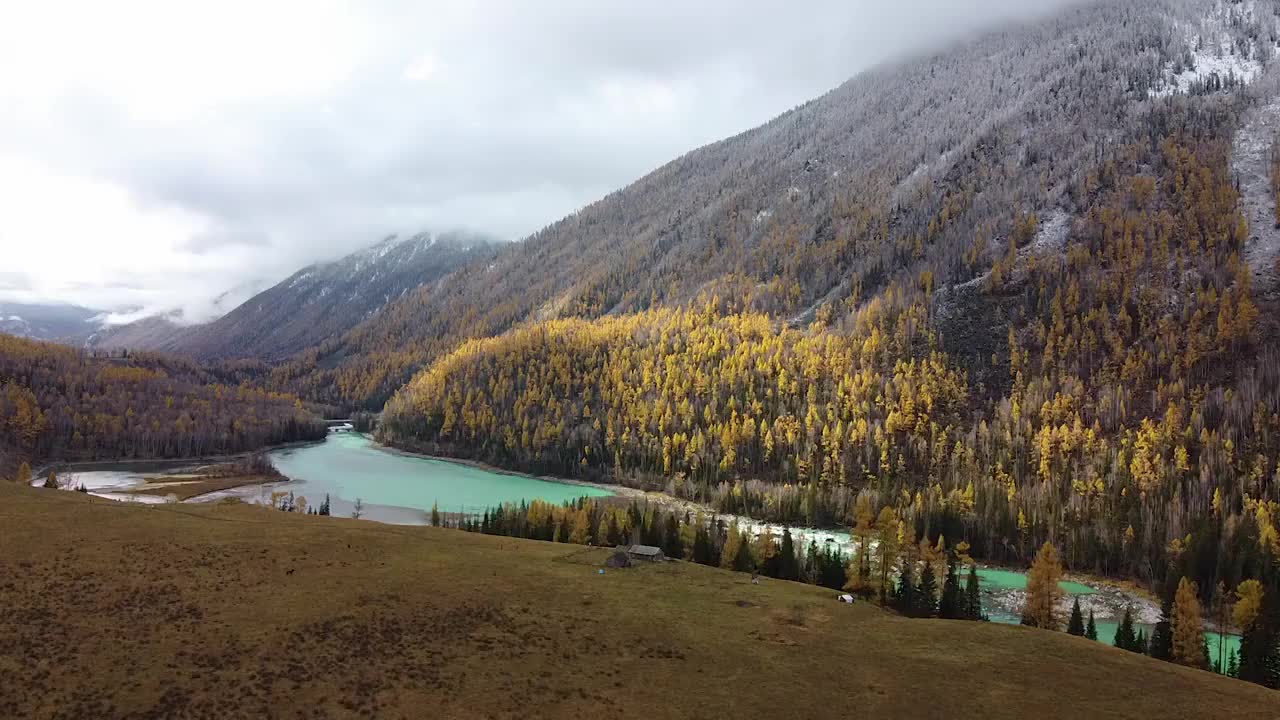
(401, 489)
(985, 332)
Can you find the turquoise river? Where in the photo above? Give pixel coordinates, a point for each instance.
(398, 488)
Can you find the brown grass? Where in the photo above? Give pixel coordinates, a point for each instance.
(112, 610)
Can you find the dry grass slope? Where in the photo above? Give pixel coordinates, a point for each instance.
(110, 610)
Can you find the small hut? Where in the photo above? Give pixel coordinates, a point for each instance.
(648, 553)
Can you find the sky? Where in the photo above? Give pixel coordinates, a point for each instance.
(158, 155)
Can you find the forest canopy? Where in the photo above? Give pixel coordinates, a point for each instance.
(59, 402)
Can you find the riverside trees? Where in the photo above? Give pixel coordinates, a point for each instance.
(58, 402)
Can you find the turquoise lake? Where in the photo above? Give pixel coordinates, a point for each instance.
(400, 488)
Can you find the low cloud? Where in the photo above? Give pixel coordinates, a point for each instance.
(204, 242)
(10, 280)
(155, 154)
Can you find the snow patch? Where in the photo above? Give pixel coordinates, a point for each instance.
(1214, 55)
(1226, 67)
(1052, 236)
(1250, 160)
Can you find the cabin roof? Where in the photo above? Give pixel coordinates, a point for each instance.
(644, 550)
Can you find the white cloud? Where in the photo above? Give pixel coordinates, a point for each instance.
(421, 68)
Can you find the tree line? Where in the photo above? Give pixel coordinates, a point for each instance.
(57, 402)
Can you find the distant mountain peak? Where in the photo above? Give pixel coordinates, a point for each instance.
(316, 302)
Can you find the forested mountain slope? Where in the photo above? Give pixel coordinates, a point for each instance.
(1055, 336)
(930, 164)
(312, 305)
(59, 402)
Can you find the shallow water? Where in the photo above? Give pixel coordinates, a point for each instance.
(993, 579)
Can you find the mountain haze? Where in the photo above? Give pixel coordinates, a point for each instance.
(62, 323)
(313, 304)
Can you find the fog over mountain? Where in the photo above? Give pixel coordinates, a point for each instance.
(145, 167)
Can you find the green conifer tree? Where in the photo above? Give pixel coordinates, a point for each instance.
(742, 559)
(905, 598)
(1161, 641)
(926, 593)
(788, 566)
(1075, 626)
(1259, 660)
(1124, 638)
(973, 596)
(1091, 630)
(951, 605)
(672, 543)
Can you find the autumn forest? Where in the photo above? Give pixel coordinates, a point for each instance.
(1003, 305)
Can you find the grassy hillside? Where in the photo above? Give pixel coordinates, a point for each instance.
(218, 611)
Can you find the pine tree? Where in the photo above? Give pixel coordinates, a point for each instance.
(1042, 589)
(1161, 641)
(1259, 660)
(788, 566)
(1124, 638)
(1075, 626)
(672, 543)
(1091, 630)
(24, 474)
(1140, 642)
(926, 603)
(703, 553)
(973, 596)
(905, 598)
(742, 559)
(1233, 664)
(951, 607)
(51, 482)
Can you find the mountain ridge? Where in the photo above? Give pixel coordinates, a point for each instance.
(315, 302)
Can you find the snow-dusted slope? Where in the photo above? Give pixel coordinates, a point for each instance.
(1250, 159)
(314, 303)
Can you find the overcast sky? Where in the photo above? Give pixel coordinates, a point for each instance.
(157, 154)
